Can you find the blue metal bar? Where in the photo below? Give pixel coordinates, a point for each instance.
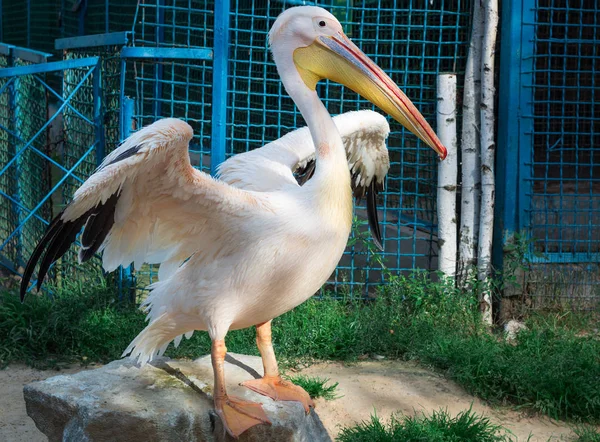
(127, 113)
(28, 2)
(45, 126)
(5, 48)
(122, 97)
(30, 55)
(127, 274)
(6, 85)
(60, 166)
(158, 68)
(507, 153)
(220, 83)
(82, 12)
(48, 67)
(565, 258)
(89, 41)
(48, 195)
(11, 133)
(167, 53)
(98, 113)
(52, 91)
(525, 127)
(12, 99)
(14, 201)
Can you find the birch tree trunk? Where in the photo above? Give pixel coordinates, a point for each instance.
(488, 147)
(470, 168)
(447, 174)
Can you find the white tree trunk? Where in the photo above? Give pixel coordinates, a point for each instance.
(447, 174)
(470, 167)
(488, 147)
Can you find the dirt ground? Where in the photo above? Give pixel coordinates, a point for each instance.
(382, 386)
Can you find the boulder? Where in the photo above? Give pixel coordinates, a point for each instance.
(167, 400)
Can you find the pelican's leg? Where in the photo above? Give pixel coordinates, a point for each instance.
(271, 384)
(237, 415)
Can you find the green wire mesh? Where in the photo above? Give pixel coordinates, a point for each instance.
(564, 163)
(25, 183)
(31, 169)
(33, 24)
(8, 221)
(36, 24)
(413, 42)
(110, 68)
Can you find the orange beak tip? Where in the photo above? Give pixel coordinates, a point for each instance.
(443, 153)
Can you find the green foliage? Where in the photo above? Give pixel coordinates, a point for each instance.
(315, 386)
(439, 427)
(80, 322)
(553, 367)
(587, 434)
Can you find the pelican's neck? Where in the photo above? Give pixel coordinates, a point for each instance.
(330, 185)
(329, 147)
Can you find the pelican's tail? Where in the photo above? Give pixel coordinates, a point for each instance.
(155, 338)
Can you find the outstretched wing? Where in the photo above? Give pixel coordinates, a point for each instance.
(290, 161)
(146, 203)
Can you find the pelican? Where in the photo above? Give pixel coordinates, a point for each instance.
(240, 254)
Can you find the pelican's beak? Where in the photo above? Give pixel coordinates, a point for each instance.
(337, 58)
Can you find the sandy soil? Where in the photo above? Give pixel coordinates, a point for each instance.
(384, 386)
(15, 425)
(395, 386)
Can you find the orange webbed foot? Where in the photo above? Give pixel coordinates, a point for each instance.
(239, 415)
(279, 389)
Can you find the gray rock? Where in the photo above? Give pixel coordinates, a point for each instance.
(169, 400)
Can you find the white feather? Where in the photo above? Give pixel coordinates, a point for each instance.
(271, 167)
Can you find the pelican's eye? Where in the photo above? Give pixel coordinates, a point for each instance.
(322, 23)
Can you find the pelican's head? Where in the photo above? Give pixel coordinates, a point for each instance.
(320, 50)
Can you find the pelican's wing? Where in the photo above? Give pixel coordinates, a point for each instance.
(272, 167)
(146, 203)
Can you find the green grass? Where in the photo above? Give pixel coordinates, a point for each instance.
(553, 368)
(587, 434)
(315, 386)
(439, 427)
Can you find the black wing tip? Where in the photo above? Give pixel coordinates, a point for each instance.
(373, 215)
(60, 235)
(51, 231)
(306, 173)
(23, 292)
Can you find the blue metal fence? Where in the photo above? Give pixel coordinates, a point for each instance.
(208, 63)
(33, 171)
(549, 124)
(411, 41)
(234, 100)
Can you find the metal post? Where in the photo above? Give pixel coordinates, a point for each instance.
(220, 83)
(106, 16)
(98, 113)
(159, 72)
(28, 41)
(127, 274)
(514, 139)
(16, 206)
(82, 11)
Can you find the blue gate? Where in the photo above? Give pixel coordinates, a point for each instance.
(34, 171)
(549, 126)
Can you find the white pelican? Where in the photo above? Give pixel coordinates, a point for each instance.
(251, 255)
(363, 133)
